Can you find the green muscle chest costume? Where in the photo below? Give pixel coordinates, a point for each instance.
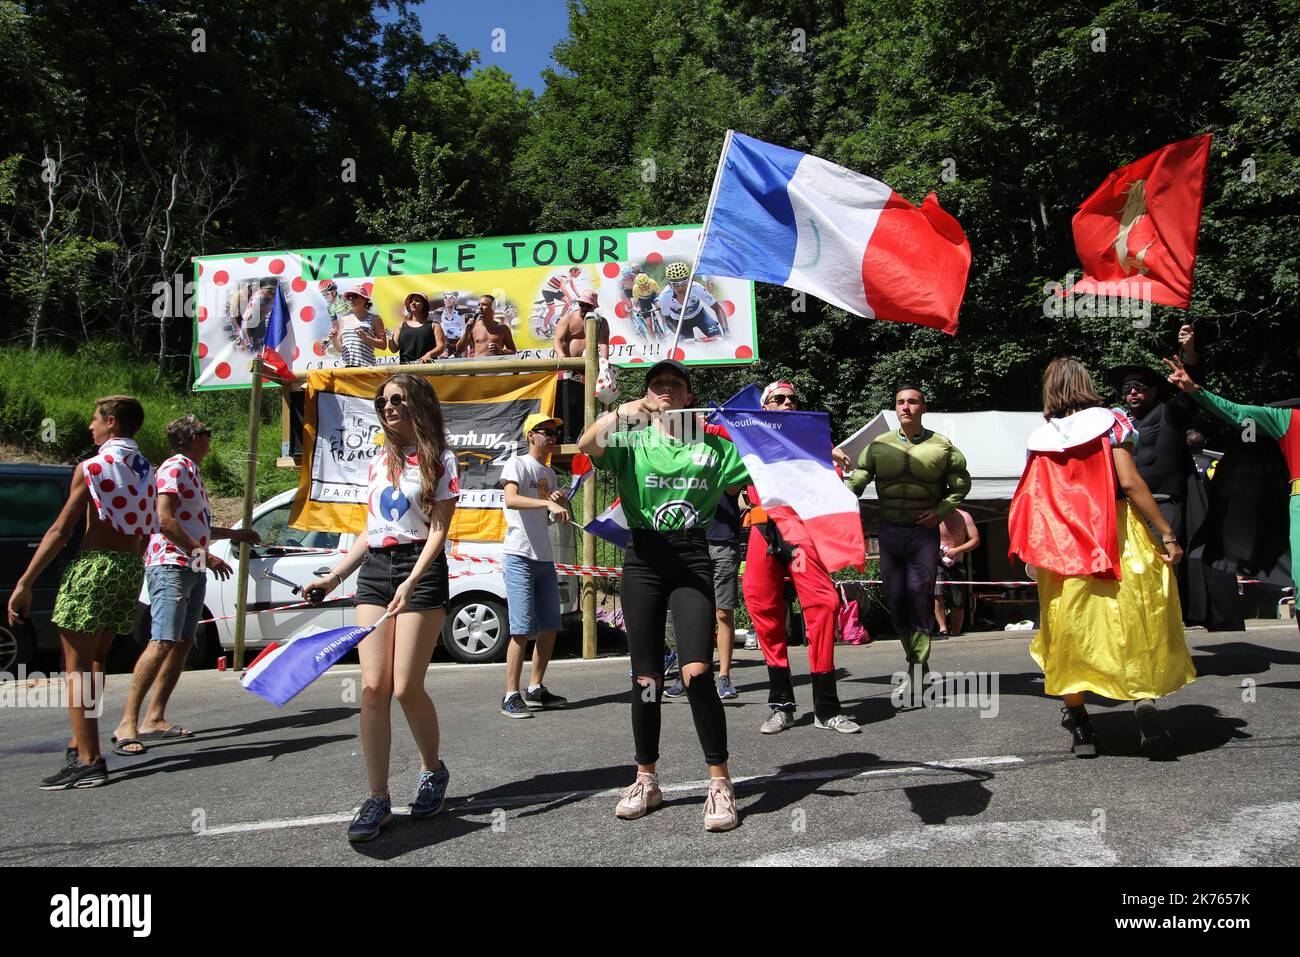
(912, 476)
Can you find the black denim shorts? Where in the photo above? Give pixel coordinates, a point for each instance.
(386, 568)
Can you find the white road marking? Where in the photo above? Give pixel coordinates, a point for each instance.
(1253, 835)
(488, 805)
(1005, 843)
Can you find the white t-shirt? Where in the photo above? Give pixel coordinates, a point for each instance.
(526, 528)
(393, 515)
(179, 476)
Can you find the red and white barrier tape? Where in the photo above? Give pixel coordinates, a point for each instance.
(589, 571)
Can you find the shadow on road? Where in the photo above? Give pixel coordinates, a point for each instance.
(1195, 728)
(1240, 658)
(191, 760)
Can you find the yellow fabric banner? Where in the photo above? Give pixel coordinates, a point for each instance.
(484, 415)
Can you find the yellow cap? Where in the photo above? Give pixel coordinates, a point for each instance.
(537, 419)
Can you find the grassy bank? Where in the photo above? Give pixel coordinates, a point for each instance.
(47, 397)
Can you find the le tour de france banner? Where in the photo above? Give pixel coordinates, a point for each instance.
(534, 279)
(484, 416)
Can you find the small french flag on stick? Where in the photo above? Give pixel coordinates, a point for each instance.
(611, 526)
(283, 669)
(789, 218)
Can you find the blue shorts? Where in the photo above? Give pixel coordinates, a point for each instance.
(533, 594)
(175, 601)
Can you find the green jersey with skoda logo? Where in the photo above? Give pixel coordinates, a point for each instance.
(668, 485)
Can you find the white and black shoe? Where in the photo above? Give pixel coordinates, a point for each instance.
(77, 775)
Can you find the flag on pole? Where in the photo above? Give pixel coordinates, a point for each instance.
(780, 216)
(1136, 234)
(582, 469)
(749, 397)
(788, 457)
(284, 668)
(611, 526)
(277, 349)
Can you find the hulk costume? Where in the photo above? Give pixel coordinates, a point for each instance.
(912, 476)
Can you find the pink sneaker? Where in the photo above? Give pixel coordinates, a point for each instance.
(720, 806)
(640, 798)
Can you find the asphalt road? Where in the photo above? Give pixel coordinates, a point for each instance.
(951, 785)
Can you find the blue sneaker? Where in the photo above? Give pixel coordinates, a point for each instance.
(431, 795)
(375, 814)
(514, 707)
(676, 691)
(726, 690)
(670, 663)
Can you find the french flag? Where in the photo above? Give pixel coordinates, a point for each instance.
(788, 457)
(780, 216)
(277, 349)
(611, 526)
(284, 668)
(582, 470)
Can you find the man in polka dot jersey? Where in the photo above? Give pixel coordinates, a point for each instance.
(113, 493)
(176, 564)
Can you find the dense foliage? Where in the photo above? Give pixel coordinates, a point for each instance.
(1011, 111)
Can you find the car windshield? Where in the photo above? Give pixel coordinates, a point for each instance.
(28, 506)
(273, 527)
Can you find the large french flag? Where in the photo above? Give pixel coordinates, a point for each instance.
(788, 457)
(780, 216)
(611, 526)
(283, 669)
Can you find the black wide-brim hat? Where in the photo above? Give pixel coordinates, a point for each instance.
(1121, 374)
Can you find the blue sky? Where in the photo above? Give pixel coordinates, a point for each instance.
(532, 28)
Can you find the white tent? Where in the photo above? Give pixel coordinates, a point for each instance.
(993, 443)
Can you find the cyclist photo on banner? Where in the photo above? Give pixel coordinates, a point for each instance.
(704, 319)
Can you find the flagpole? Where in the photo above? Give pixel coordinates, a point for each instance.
(704, 234)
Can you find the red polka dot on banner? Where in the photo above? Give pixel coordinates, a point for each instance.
(221, 277)
(728, 307)
(203, 313)
(654, 259)
(94, 468)
(664, 233)
(307, 314)
(295, 353)
(298, 285)
(203, 350)
(119, 501)
(200, 265)
(617, 341)
(318, 348)
(638, 359)
(610, 270)
(223, 370)
(186, 516)
(107, 485)
(276, 267)
(621, 309)
(250, 259)
(129, 518)
(679, 354)
(744, 352)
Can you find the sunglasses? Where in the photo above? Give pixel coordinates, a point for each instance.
(550, 432)
(1134, 386)
(782, 399)
(396, 400)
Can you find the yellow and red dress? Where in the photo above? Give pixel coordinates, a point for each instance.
(1111, 621)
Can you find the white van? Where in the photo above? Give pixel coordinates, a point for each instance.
(477, 628)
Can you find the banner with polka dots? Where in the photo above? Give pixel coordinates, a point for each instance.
(536, 282)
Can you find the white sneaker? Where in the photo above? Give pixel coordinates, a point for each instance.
(720, 806)
(751, 643)
(778, 722)
(640, 797)
(841, 723)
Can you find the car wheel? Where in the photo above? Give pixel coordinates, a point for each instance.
(477, 630)
(15, 649)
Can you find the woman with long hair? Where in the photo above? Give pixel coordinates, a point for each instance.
(1111, 622)
(410, 500)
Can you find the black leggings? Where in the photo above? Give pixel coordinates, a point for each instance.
(660, 574)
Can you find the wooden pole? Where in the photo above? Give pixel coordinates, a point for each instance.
(250, 490)
(589, 489)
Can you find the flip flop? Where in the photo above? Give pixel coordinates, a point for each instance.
(119, 745)
(175, 731)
